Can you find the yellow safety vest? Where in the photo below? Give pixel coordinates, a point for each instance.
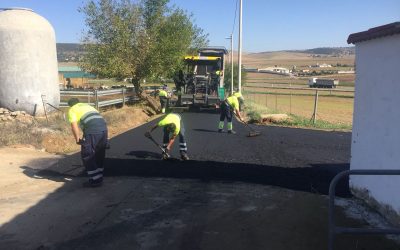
(174, 119)
(163, 93)
(233, 102)
(89, 118)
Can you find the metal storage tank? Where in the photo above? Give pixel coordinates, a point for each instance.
(28, 61)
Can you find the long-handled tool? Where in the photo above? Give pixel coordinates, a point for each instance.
(165, 154)
(252, 132)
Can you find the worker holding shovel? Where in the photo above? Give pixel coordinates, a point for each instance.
(172, 127)
(228, 107)
(95, 139)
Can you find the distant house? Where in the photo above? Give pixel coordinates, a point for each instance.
(275, 70)
(323, 65)
(73, 77)
(376, 133)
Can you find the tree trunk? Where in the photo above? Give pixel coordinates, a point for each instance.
(150, 101)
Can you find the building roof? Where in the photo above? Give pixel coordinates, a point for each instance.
(373, 33)
(69, 69)
(78, 75)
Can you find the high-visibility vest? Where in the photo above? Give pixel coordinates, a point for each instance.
(233, 102)
(173, 119)
(163, 93)
(88, 118)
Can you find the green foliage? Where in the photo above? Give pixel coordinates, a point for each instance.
(227, 76)
(138, 40)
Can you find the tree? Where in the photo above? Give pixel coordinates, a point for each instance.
(227, 76)
(144, 40)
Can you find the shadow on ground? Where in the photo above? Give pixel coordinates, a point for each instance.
(314, 179)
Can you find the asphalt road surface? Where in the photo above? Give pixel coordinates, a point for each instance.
(236, 192)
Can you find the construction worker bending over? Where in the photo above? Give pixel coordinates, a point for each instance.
(173, 126)
(163, 95)
(240, 99)
(94, 140)
(230, 105)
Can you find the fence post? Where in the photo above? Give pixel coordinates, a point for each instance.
(123, 97)
(266, 100)
(44, 101)
(276, 100)
(314, 116)
(96, 99)
(290, 102)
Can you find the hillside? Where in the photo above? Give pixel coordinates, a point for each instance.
(70, 52)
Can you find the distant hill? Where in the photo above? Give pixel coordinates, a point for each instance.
(69, 52)
(328, 51)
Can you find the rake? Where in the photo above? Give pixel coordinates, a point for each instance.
(252, 132)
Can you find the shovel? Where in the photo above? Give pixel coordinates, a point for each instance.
(165, 154)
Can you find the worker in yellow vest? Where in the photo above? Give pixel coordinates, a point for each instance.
(240, 99)
(163, 95)
(230, 105)
(172, 127)
(94, 141)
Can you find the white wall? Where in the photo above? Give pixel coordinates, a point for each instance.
(376, 122)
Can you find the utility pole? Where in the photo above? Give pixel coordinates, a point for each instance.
(231, 38)
(240, 49)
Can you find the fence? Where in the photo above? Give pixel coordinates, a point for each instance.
(100, 98)
(329, 105)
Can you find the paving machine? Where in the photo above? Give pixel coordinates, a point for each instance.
(204, 78)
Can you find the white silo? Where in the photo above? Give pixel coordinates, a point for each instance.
(28, 61)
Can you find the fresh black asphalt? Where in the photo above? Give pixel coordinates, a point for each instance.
(297, 159)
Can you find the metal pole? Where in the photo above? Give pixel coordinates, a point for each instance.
(123, 97)
(231, 64)
(240, 49)
(315, 106)
(96, 98)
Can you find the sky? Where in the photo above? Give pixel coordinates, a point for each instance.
(267, 25)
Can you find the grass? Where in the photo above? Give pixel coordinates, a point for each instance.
(332, 109)
(255, 110)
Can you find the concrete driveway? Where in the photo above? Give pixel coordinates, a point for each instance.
(266, 192)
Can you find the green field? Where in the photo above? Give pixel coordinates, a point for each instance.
(332, 107)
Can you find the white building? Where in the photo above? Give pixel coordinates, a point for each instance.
(376, 122)
(275, 70)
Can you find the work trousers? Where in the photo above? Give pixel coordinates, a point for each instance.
(226, 112)
(93, 152)
(182, 141)
(163, 103)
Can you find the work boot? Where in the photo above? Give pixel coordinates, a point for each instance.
(231, 132)
(184, 157)
(92, 184)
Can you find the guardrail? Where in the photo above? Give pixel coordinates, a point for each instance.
(333, 229)
(94, 97)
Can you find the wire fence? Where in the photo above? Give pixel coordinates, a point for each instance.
(330, 105)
